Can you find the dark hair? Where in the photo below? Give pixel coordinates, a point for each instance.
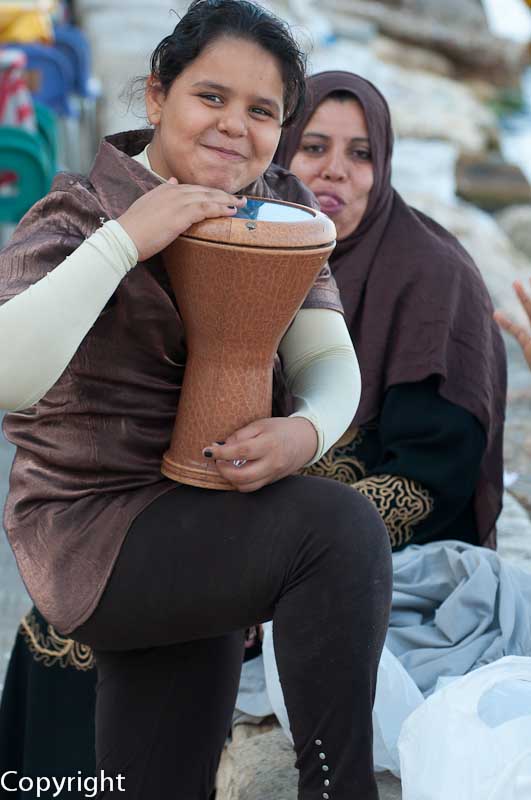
(341, 95)
(207, 20)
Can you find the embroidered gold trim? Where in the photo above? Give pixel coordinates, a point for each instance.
(402, 504)
(52, 649)
(340, 463)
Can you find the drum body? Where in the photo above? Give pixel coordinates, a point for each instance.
(236, 298)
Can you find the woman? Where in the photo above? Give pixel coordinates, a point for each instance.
(426, 443)
(159, 579)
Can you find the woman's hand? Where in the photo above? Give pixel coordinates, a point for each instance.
(271, 448)
(522, 336)
(158, 217)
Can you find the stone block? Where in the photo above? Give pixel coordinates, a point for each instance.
(411, 57)
(490, 182)
(470, 46)
(516, 222)
(450, 110)
(259, 765)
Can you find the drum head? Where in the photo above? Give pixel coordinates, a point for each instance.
(267, 211)
(266, 223)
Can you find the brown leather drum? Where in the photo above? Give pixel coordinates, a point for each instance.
(238, 282)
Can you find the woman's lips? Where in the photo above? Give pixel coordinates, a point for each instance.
(230, 155)
(330, 203)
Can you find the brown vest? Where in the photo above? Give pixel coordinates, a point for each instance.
(88, 454)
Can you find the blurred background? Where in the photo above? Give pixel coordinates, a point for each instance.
(457, 76)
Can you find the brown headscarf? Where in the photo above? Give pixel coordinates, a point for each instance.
(415, 303)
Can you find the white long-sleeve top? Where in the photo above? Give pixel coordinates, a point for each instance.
(42, 327)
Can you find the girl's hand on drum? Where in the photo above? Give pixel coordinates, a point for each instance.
(271, 449)
(158, 217)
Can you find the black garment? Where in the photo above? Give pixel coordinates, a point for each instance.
(196, 568)
(47, 708)
(418, 463)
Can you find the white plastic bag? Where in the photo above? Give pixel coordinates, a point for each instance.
(274, 689)
(472, 739)
(396, 697)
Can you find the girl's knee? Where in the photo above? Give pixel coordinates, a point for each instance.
(346, 519)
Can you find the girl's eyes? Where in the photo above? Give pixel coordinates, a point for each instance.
(263, 112)
(213, 97)
(217, 100)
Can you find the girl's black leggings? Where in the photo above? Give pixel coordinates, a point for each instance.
(197, 568)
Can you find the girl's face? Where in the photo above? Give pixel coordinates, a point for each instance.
(220, 122)
(334, 161)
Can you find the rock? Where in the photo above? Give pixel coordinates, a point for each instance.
(300, 15)
(484, 91)
(257, 765)
(417, 161)
(514, 532)
(490, 182)
(411, 57)
(260, 765)
(465, 13)
(450, 110)
(471, 48)
(358, 30)
(516, 222)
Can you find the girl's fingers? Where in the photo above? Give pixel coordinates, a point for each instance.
(250, 431)
(197, 212)
(205, 210)
(246, 476)
(203, 193)
(238, 450)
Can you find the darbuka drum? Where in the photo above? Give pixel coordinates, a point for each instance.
(238, 282)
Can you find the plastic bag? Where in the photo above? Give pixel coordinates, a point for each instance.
(472, 739)
(272, 680)
(397, 697)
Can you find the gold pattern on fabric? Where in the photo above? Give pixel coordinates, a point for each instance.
(340, 462)
(401, 502)
(52, 649)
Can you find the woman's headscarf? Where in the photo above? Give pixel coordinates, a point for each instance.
(415, 303)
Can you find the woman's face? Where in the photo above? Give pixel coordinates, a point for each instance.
(220, 122)
(334, 161)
